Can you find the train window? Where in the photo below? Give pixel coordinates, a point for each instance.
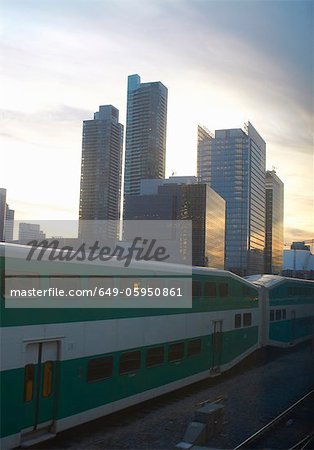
(176, 351)
(284, 314)
(247, 319)
(20, 280)
(210, 289)
(194, 347)
(271, 315)
(154, 356)
(246, 291)
(126, 285)
(196, 289)
(100, 282)
(290, 291)
(2, 280)
(223, 290)
(278, 314)
(237, 321)
(29, 373)
(65, 282)
(130, 362)
(47, 378)
(99, 368)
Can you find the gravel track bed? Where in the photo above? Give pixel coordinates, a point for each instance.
(252, 397)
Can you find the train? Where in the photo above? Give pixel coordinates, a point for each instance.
(64, 367)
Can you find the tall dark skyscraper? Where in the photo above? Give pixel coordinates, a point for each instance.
(274, 223)
(101, 166)
(146, 126)
(232, 162)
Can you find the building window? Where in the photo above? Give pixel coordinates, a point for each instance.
(210, 289)
(247, 319)
(271, 315)
(130, 362)
(194, 347)
(154, 356)
(176, 351)
(99, 368)
(284, 314)
(237, 321)
(278, 314)
(196, 289)
(223, 290)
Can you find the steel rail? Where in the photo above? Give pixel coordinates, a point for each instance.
(273, 422)
(302, 444)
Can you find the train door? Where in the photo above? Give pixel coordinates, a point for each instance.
(216, 345)
(40, 386)
(293, 326)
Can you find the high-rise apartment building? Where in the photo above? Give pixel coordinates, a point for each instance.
(274, 223)
(101, 166)
(146, 126)
(232, 162)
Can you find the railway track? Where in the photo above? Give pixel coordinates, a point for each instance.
(276, 429)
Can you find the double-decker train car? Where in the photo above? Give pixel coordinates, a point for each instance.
(61, 367)
(287, 309)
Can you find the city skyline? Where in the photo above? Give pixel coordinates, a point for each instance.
(223, 63)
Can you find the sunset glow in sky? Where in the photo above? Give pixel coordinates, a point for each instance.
(224, 63)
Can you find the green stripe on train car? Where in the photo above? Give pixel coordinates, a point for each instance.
(76, 395)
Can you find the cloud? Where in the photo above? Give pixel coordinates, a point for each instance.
(296, 235)
(222, 61)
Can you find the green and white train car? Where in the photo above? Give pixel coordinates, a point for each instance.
(64, 367)
(287, 309)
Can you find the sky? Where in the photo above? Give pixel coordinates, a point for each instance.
(223, 62)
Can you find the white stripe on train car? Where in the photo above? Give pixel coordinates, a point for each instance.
(85, 339)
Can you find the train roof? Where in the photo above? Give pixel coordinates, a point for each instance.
(271, 281)
(19, 250)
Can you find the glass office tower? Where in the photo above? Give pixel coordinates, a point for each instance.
(146, 126)
(173, 199)
(232, 162)
(274, 223)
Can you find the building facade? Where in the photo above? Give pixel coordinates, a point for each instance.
(172, 199)
(232, 162)
(298, 262)
(146, 128)
(29, 232)
(274, 241)
(9, 224)
(101, 166)
(3, 198)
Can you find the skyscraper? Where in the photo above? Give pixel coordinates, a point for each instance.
(146, 126)
(3, 197)
(9, 224)
(232, 162)
(274, 223)
(101, 166)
